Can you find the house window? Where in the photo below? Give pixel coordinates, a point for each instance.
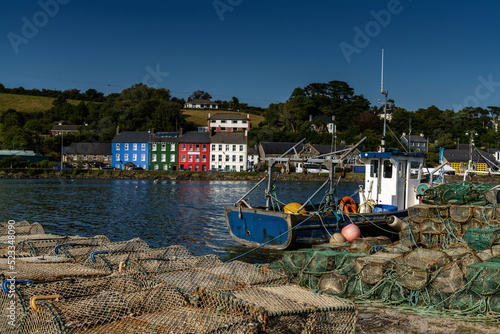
(213, 157)
(117, 146)
(172, 147)
(235, 129)
(204, 158)
(227, 148)
(165, 167)
(143, 157)
(227, 157)
(190, 158)
(234, 158)
(163, 147)
(241, 168)
(84, 157)
(235, 122)
(220, 147)
(197, 147)
(204, 148)
(117, 157)
(197, 158)
(234, 148)
(154, 147)
(241, 158)
(134, 147)
(163, 158)
(75, 157)
(183, 147)
(134, 157)
(241, 148)
(156, 167)
(125, 157)
(126, 147)
(223, 129)
(223, 122)
(143, 146)
(220, 157)
(172, 158)
(105, 157)
(213, 147)
(183, 158)
(197, 167)
(190, 167)
(153, 158)
(94, 157)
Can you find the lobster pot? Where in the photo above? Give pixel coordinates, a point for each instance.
(461, 213)
(479, 239)
(411, 225)
(181, 320)
(225, 276)
(473, 223)
(468, 259)
(431, 240)
(391, 292)
(46, 245)
(415, 269)
(156, 267)
(368, 245)
(449, 279)
(451, 227)
(409, 238)
(285, 309)
(495, 303)
(335, 246)
(396, 248)
(436, 298)
(489, 253)
(430, 226)
(464, 300)
(333, 283)
(356, 287)
(484, 277)
(293, 261)
(418, 213)
(318, 262)
(52, 271)
(77, 314)
(438, 213)
(21, 228)
(484, 213)
(457, 250)
(371, 268)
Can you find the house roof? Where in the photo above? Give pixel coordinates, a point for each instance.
(131, 137)
(58, 127)
(89, 148)
(252, 151)
(198, 101)
(278, 148)
(229, 138)
(464, 155)
(324, 119)
(223, 116)
(415, 139)
(195, 138)
(165, 137)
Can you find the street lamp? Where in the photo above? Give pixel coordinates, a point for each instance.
(472, 134)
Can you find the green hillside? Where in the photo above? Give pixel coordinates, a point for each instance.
(199, 117)
(27, 103)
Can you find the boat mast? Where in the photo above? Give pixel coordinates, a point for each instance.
(382, 142)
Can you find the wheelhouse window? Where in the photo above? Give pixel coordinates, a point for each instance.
(374, 168)
(387, 169)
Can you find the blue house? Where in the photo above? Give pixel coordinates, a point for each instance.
(130, 149)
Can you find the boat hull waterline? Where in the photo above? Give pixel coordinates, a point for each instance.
(269, 229)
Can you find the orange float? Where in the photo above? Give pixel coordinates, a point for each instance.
(347, 204)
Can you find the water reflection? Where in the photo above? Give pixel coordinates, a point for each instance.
(162, 213)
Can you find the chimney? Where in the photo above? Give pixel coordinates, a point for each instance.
(208, 115)
(333, 117)
(310, 118)
(117, 129)
(248, 115)
(180, 133)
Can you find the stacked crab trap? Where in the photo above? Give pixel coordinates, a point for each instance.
(92, 285)
(446, 260)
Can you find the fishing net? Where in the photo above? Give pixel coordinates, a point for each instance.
(483, 213)
(472, 224)
(409, 238)
(285, 308)
(416, 268)
(484, 277)
(371, 268)
(479, 239)
(438, 212)
(50, 271)
(47, 245)
(21, 228)
(449, 279)
(464, 300)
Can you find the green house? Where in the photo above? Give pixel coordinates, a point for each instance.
(163, 154)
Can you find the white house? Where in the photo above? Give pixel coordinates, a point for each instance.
(228, 152)
(229, 122)
(201, 104)
(319, 121)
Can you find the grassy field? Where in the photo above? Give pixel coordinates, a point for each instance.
(27, 103)
(200, 117)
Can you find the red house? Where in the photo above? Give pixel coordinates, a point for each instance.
(194, 151)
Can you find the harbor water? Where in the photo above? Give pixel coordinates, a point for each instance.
(162, 213)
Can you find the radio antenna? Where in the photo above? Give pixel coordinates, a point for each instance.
(382, 76)
(385, 92)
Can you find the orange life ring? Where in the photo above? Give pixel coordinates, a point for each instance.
(347, 204)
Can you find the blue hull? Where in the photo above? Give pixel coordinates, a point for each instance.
(277, 230)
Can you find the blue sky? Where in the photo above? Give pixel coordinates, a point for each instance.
(444, 53)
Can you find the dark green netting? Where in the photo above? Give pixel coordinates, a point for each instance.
(481, 238)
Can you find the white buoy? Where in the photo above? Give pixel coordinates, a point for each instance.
(395, 223)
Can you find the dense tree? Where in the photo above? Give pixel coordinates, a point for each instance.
(200, 95)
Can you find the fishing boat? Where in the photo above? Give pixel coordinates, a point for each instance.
(390, 188)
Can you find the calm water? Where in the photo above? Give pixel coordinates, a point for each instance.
(162, 213)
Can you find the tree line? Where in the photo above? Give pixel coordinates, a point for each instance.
(140, 108)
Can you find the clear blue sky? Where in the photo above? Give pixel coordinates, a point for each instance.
(444, 53)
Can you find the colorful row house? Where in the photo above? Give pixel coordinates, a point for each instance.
(194, 150)
(164, 151)
(130, 150)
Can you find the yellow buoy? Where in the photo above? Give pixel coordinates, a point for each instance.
(293, 208)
